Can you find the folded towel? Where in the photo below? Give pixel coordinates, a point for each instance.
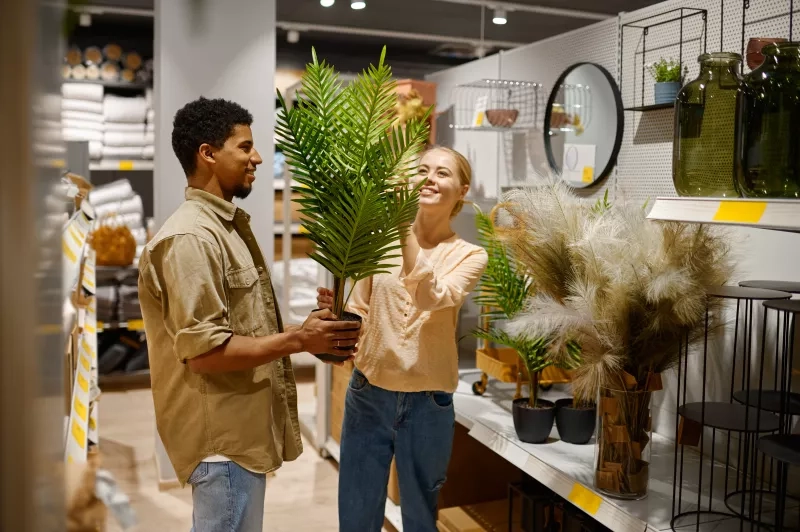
(119, 109)
(114, 191)
(125, 127)
(46, 124)
(82, 124)
(148, 96)
(149, 152)
(151, 116)
(47, 106)
(95, 149)
(150, 138)
(122, 152)
(128, 206)
(81, 134)
(82, 105)
(82, 115)
(133, 220)
(125, 139)
(151, 128)
(140, 235)
(92, 92)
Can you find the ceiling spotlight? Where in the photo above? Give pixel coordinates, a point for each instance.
(326, 3)
(499, 16)
(85, 20)
(292, 36)
(357, 4)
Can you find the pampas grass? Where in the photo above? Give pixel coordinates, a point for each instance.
(627, 289)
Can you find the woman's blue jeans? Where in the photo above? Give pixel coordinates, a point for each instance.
(415, 428)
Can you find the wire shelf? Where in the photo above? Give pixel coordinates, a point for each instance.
(497, 105)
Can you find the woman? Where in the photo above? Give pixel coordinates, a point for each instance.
(400, 398)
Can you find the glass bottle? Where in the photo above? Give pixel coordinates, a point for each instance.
(768, 153)
(705, 128)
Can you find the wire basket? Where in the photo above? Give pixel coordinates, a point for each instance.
(572, 109)
(498, 105)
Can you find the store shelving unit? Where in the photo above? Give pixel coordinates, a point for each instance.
(781, 215)
(123, 166)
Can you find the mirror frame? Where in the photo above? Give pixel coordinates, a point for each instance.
(612, 160)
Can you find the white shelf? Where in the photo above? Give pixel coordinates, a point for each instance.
(782, 215)
(120, 165)
(568, 469)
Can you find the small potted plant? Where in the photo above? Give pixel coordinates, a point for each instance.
(504, 289)
(667, 74)
(353, 169)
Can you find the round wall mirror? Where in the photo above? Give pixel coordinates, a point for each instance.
(583, 124)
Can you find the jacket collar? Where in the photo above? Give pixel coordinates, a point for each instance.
(224, 209)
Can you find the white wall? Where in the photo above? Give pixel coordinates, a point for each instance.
(217, 50)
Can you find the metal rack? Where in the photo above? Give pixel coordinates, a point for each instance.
(497, 105)
(645, 25)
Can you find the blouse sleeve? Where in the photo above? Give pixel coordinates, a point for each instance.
(431, 292)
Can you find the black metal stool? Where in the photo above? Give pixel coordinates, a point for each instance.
(785, 449)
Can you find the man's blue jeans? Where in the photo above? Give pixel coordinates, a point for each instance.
(227, 498)
(416, 428)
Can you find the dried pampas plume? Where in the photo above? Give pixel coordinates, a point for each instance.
(627, 289)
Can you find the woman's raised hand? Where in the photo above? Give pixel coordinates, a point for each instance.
(324, 298)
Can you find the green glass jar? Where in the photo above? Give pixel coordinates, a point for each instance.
(705, 128)
(768, 150)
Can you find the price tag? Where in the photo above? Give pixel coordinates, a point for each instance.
(749, 212)
(588, 174)
(126, 165)
(584, 499)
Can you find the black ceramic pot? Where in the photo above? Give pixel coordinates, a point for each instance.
(333, 357)
(575, 425)
(533, 425)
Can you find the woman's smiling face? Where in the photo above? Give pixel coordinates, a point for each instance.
(442, 187)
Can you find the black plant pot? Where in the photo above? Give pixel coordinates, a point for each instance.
(333, 357)
(575, 425)
(533, 425)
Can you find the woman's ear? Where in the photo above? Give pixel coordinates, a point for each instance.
(464, 191)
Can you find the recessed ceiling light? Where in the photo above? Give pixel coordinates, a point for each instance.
(293, 36)
(326, 3)
(500, 16)
(85, 20)
(358, 4)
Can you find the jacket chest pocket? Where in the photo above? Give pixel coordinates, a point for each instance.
(246, 307)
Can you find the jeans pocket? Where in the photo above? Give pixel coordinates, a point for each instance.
(441, 400)
(200, 472)
(358, 381)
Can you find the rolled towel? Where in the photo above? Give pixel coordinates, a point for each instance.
(95, 150)
(47, 105)
(140, 235)
(150, 138)
(81, 105)
(46, 124)
(133, 220)
(118, 190)
(122, 152)
(151, 116)
(92, 92)
(81, 134)
(148, 96)
(149, 152)
(82, 124)
(125, 127)
(125, 139)
(151, 128)
(82, 115)
(119, 109)
(127, 206)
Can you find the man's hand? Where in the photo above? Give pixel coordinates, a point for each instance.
(324, 298)
(319, 335)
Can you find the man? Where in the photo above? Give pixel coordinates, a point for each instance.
(222, 381)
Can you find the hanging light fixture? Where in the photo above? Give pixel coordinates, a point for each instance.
(326, 3)
(499, 16)
(357, 4)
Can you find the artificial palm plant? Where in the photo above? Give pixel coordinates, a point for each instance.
(503, 292)
(353, 168)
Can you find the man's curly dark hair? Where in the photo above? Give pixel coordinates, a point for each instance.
(204, 121)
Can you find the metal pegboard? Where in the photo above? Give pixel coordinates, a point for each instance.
(644, 170)
(544, 61)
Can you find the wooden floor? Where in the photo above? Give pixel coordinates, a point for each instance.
(301, 496)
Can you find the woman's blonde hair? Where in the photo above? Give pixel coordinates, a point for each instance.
(462, 168)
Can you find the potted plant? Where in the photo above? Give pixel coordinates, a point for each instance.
(353, 170)
(503, 291)
(629, 291)
(667, 74)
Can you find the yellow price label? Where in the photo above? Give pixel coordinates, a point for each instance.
(80, 409)
(136, 325)
(588, 174)
(584, 499)
(68, 252)
(83, 383)
(740, 211)
(79, 434)
(126, 165)
(58, 163)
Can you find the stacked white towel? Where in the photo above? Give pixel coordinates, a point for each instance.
(117, 203)
(82, 115)
(126, 135)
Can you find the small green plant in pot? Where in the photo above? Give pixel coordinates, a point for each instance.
(354, 169)
(667, 74)
(504, 289)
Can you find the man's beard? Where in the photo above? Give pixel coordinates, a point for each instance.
(243, 191)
